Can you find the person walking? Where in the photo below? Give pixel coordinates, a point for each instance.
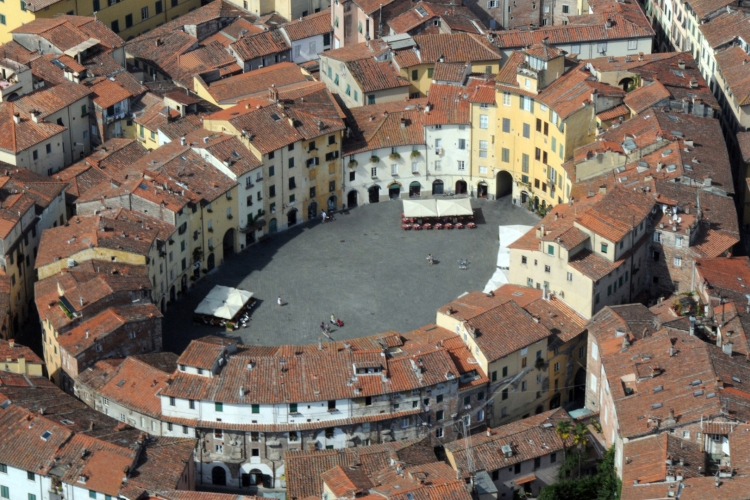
(279, 302)
(333, 319)
(323, 215)
(430, 259)
(323, 326)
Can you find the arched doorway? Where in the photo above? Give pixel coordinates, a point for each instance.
(536, 203)
(626, 84)
(482, 190)
(229, 242)
(524, 197)
(460, 187)
(183, 283)
(291, 217)
(539, 409)
(394, 191)
(415, 188)
(219, 476)
(374, 194)
(211, 261)
(172, 294)
(312, 210)
(554, 402)
(437, 187)
(163, 304)
(273, 225)
(332, 202)
(503, 184)
(351, 199)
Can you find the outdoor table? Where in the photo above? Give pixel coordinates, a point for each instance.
(471, 225)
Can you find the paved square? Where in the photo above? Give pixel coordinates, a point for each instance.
(362, 267)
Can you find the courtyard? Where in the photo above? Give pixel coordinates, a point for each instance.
(361, 267)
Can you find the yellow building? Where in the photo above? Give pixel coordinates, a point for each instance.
(512, 333)
(299, 143)
(417, 64)
(128, 19)
(540, 114)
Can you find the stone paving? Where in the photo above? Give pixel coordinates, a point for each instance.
(362, 267)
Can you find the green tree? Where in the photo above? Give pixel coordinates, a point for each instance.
(563, 430)
(605, 485)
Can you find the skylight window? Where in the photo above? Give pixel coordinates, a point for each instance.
(46, 435)
(656, 406)
(421, 11)
(698, 393)
(696, 382)
(678, 73)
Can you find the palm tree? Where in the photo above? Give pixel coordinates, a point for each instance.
(563, 430)
(580, 439)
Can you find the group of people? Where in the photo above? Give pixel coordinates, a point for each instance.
(334, 321)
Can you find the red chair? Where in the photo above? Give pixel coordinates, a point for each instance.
(416, 227)
(438, 226)
(459, 226)
(448, 225)
(427, 225)
(472, 225)
(405, 227)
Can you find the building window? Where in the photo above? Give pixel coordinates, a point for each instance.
(632, 44)
(506, 125)
(570, 277)
(657, 236)
(602, 47)
(144, 13)
(506, 98)
(115, 25)
(415, 74)
(292, 407)
(484, 121)
(677, 241)
(525, 163)
(439, 415)
(604, 247)
(553, 458)
(546, 269)
(439, 432)
(461, 165)
(677, 261)
(219, 407)
(526, 130)
(30, 476)
(171, 401)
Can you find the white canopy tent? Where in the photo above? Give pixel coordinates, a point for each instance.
(420, 208)
(456, 207)
(224, 302)
(437, 208)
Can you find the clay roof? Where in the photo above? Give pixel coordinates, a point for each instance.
(16, 352)
(727, 274)
(309, 26)
(456, 47)
(614, 215)
(233, 89)
(725, 28)
(226, 148)
(17, 137)
(616, 112)
(84, 232)
(65, 32)
(449, 104)
(731, 64)
(372, 76)
(108, 93)
(543, 51)
(646, 97)
(530, 438)
(357, 51)
(450, 72)
(252, 46)
(380, 125)
(305, 114)
(412, 18)
(570, 92)
(50, 100)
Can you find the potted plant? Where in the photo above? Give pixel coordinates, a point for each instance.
(374, 159)
(353, 164)
(395, 156)
(415, 154)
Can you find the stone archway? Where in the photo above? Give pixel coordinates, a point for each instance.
(333, 201)
(312, 210)
(228, 242)
(351, 199)
(482, 189)
(438, 187)
(394, 191)
(374, 194)
(461, 187)
(503, 184)
(219, 476)
(291, 217)
(273, 225)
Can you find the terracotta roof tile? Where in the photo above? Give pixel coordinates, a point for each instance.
(17, 137)
(377, 126)
(457, 47)
(373, 76)
(309, 26)
(233, 89)
(252, 46)
(450, 72)
(449, 105)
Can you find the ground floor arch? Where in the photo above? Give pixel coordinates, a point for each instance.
(273, 225)
(579, 387)
(172, 294)
(211, 261)
(438, 187)
(503, 184)
(374, 194)
(333, 201)
(351, 199)
(291, 217)
(625, 84)
(415, 189)
(256, 475)
(394, 191)
(482, 189)
(228, 241)
(312, 210)
(219, 476)
(461, 187)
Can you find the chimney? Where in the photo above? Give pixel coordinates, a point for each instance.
(158, 42)
(242, 391)
(273, 93)
(16, 117)
(692, 326)
(403, 122)
(681, 64)
(11, 343)
(35, 116)
(640, 56)
(183, 141)
(87, 333)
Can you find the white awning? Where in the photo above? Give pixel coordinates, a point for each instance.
(454, 207)
(224, 302)
(420, 208)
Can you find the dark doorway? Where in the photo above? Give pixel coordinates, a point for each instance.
(415, 189)
(312, 210)
(163, 304)
(374, 194)
(579, 389)
(504, 184)
(626, 84)
(332, 202)
(229, 242)
(539, 409)
(460, 187)
(482, 190)
(394, 191)
(183, 283)
(219, 476)
(291, 217)
(172, 294)
(437, 187)
(211, 261)
(351, 199)
(524, 197)
(250, 237)
(554, 402)
(273, 226)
